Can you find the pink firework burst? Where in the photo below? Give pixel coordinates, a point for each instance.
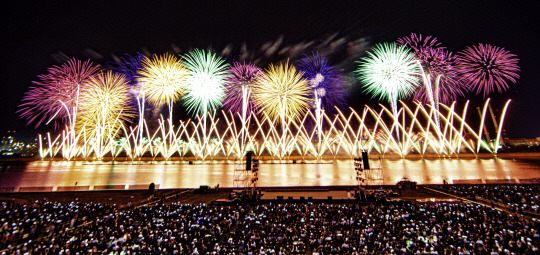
(55, 91)
(443, 64)
(419, 44)
(436, 61)
(488, 68)
(242, 75)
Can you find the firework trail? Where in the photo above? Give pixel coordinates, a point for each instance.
(420, 44)
(488, 68)
(129, 66)
(325, 82)
(208, 73)
(389, 72)
(238, 91)
(441, 80)
(56, 93)
(238, 87)
(205, 90)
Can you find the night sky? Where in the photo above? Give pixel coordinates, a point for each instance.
(36, 36)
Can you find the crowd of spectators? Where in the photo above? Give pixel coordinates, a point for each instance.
(518, 197)
(435, 228)
(26, 222)
(150, 229)
(269, 229)
(284, 228)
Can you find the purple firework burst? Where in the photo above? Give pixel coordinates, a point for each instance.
(419, 44)
(55, 89)
(440, 62)
(128, 66)
(436, 61)
(488, 68)
(325, 80)
(240, 74)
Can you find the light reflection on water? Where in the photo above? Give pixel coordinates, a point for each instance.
(272, 173)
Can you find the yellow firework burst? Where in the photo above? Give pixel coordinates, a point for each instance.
(282, 93)
(105, 105)
(163, 79)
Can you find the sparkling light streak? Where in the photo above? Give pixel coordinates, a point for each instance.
(163, 79)
(208, 73)
(238, 90)
(325, 81)
(327, 92)
(243, 76)
(441, 80)
(129, 66)
(389, 72)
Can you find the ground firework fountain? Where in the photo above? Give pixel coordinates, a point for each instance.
(348, 133)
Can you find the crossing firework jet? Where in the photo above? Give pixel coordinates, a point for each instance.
(487, 69)
(439, 67)
(242, 78)
(104, 105)
(208, 74)
(282, 92)
(389, 72)
(55, 95)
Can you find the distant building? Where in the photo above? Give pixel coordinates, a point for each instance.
(10, 147)
(522, 142)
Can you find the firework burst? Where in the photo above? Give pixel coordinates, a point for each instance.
(208, 73)
(55, 95)
(128, 66)
(240, 82)
(439, 65)
(488, 68)
(389, 72)
(420, 44)
(163, 79)
(105, 104)
(282, 92)
(325, 82)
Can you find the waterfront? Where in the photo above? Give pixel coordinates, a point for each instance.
(177, 174)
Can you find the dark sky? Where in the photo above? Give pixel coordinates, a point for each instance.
(36, 35)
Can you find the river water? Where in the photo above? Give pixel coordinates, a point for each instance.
(271, 173)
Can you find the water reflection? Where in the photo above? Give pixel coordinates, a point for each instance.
(272, 173)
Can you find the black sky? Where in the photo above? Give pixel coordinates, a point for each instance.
(34, 35)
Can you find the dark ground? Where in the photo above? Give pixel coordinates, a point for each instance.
(124, 197)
